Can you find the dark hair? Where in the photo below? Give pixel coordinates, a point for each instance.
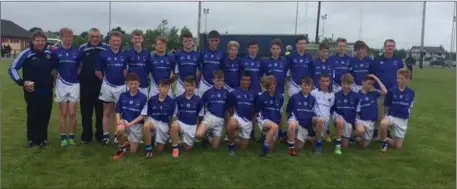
(323, 46)
(245, 73)
(307, 80)
(163, 39)
(213, 34)
(324, 75)
(165, 82)
(253, 42)
(300, 38)
(389, 40)
(276, 42)
(132, 77)
(39, 34)
(186, 35)
(367, 78)
(360, 45)
(340, 39)
(218, 74)
(189, 79)
(137, 32)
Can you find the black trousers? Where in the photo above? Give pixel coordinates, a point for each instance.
(89, 101)
(39, 107)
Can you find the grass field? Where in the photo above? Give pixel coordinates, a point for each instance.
(427, 160)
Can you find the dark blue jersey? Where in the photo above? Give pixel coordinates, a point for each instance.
(300, 66)
(130, 107)
(69, 62)
(216, 101)
(399, 102)
(360, 68)
(188, 109)
(270, 107)
(161, 110)
(368, 106)
(319, 67)
(302, 108)
(113, 66)
(232, 72)
(187, 64)
(161, 67)
(346, 105)
(243, 102)
(138, 62)
(386, 70)
(252, 65)
(278, 68)
(341, 66)
(211, 62)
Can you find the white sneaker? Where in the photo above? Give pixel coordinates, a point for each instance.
(115, 141)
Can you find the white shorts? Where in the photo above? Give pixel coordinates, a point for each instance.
(66, 92)
(135, 133)
(110, 93)
(260, 123)
(179, 90)
(336, 88)
(161, 130)
(203, 87)
(230, 89)
(213, 123)
(154, 90)
(356, 88)
(369, 128)
(245, 127)
(188, 133)
(399, 126)
(144, 91)
(347, 127)
(301, 132)
(293, 88)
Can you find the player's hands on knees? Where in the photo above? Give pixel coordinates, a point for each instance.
(29, 86)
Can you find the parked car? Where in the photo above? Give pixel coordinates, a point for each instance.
(438, 62)
(54, 43)
(449, 63)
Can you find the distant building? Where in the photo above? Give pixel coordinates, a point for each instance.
(15, 36)
(429, 52)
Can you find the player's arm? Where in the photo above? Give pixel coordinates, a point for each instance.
(230, 102)
(200, 109)
(55, 65)
(79, 61)
(125, 69)
(381, 85)
(16, 66)
(290, 106)
(388, 99)
(200, 65)
(100, 66)
(119, 112)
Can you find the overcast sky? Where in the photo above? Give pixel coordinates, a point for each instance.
(398, 20)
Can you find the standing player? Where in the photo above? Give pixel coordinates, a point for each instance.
(345, 112)
(399, 100)
(322, 65)
(361, 65)
(67, 85)
(90, 87)
(188, 106)
(215, 100)
(130, 110)
(187, 63)
(242, 100)
(325, 100)
(137, 60)
(231, 66)
(161, 66)
(269, 106)
(161, 108)
(300, 63)
(302, 118)
(341, 64)
(111, 68)
(211, 61)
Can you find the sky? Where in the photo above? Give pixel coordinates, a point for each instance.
(372, 22)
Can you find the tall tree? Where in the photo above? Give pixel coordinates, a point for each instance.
(173, 38)
(84, 35)
(35, 29)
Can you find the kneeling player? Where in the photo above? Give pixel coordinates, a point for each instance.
(242, 100)
(269, 105)
(188, 106)
(302, 117)
(129, 115)
(368, 109)
(399, 100)
(161, 108)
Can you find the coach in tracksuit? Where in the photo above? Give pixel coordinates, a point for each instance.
(38, 66)
(90, 87)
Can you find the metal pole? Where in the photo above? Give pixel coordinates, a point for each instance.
(317, 22)
(306, 16)
(296, 19)
(323, 28)
(421, 61)
(451, 49)
(361, 19)
(109, 23)
(199, 22)
(206, 16)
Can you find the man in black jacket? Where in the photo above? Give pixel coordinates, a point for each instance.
(38, 75)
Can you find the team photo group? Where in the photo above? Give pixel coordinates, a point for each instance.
(215, 94)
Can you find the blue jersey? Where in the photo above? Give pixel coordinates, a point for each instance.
(69, 62)
(270, 107)
(341, 66)
(211, 62)
(113, 66)
(137, 62)
(161, 110)
(368, 106)
(216, 101)
(161, 67)
(319, 67)
(232, 72)
(399, 102)
(360, 68)
(300, 67)
(386, 70)
(130, 107)
(346, 105)
(277, 68)
(302, 108)
(252, 65)
(187, 64)
(188, 109)
(243, 102)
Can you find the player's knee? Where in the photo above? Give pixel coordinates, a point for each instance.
(120, 130)
(148, 126)
(384, 123)
(274, 127)
(72, 114)
(359, 130)
(339, 122)
(320, 121)
(174, 127)
(292, 125)
(63, 113)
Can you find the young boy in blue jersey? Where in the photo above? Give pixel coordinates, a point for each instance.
(138, 60)
(360, 65)
(188, 106)
(216, 102)
(231, 67)
(212, 59)
(242, 100)
(302, 118)
(187, 63)
(161, 66)
(161, 108)
(341, 64)
(399, 101)
(269, 106)
(368, 109)
(130, 110)
(300, 65)
(345, 112)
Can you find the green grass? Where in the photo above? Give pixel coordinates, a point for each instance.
(427, 160)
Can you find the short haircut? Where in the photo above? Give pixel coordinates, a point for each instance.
(323, 46)
(219, 74)
(389, 40)
(186, 35)
(360, 45)
(300, 38)
(94, 30)
(324, 75)
(307, 81)
(65, 31)
(39, 34)
(367, 78)
(245, 73)
(404, 72)
(347, 78)
(276, 42)
(213, 34)
(268, 80)
(340, 39)
(233, 44)
(115, 34)
(132, 77)
(137, 32)
(189, 80)
(165, 82)
(253, 42)
(162, 39)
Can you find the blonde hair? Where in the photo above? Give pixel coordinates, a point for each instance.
(64, 31)
(404, 72)
(233, 44)
(137, 33)
(267, 81)
(347, 79)
(115, 33)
